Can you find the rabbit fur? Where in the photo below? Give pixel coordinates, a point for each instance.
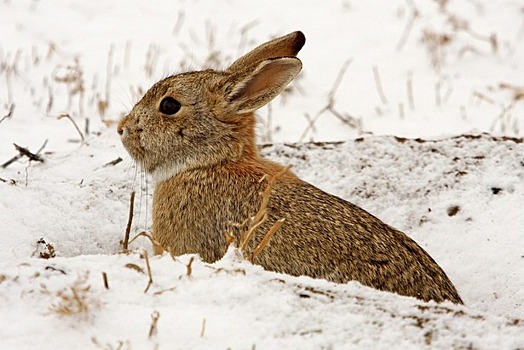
(194, 133)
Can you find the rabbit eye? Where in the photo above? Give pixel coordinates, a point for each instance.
(169, 106)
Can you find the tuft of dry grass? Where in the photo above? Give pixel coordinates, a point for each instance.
(255, 222)
(76, 299)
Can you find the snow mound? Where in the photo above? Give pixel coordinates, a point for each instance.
(459, 198)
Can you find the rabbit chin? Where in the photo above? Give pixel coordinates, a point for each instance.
(167, 171)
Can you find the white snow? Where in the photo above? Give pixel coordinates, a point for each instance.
(72, 57)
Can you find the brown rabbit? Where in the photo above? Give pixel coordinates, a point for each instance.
(194, 133)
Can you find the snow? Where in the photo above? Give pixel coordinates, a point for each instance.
(78, 202)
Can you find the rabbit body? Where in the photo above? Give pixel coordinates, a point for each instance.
(194, 132)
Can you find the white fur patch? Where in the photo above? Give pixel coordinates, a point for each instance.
(166, 172)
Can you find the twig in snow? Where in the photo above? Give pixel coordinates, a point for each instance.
(154, 320)
(9, 112)
(104, 278)
(25, 152)
(65, 115)
(125, 243)
(148, 267)
(113, 162)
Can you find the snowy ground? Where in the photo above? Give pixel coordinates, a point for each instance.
(457, 70)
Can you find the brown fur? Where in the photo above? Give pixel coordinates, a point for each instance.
(208, 170)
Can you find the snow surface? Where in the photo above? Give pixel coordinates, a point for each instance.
(460, 197)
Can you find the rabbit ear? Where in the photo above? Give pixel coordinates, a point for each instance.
(263, 84)
(285, 46)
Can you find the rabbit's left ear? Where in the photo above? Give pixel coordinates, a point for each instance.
(284, 46)
(263, 84)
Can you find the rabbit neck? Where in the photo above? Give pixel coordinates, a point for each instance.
(244, 153)
(239, 150)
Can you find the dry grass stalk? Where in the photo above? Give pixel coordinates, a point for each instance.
(414, 15)
(189, 269)
(347, 119)
(378, 85)
(401, 110)
(9, 114)
(148, 269)
(409, 88)
(119, 345)
(261, 215)
(135, 267)
(76, 299)
(66, 115)
(484, 97)
(154, 322)
(266, 239)
(164, 291)
(72, 77)
(518, 91)
(156, 245)
(125, 243)
(203, 329)
(254, 223)
(104, 278)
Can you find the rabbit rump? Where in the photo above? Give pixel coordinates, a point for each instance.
(195, 134)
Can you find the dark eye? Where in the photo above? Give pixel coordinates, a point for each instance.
(169, 106)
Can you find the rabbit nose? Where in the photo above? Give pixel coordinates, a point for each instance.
(120, 127)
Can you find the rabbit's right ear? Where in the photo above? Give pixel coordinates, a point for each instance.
(258, 87)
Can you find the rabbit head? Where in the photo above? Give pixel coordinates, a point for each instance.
(201, 118)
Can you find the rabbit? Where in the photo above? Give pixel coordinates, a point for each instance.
(194, 133)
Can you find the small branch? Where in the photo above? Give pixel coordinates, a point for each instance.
(65, 115)
(125, 243)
